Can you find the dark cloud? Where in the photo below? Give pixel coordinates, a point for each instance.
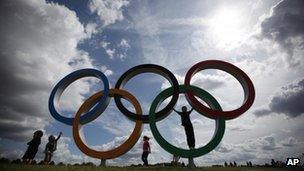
(37, 45)
(288, 101)
(286, 27)
(261, 112)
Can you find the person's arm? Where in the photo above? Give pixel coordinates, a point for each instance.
(191, 110)
(59, 136)
(177, 111)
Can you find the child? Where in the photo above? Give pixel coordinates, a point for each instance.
(146, 150)
(50, 147)
(32, 147)
(186, 122)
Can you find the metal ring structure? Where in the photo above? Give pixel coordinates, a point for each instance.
(219, 123)
(123, 148)
(95, 105)
(241, 76)
(65, 82)
(144, 69)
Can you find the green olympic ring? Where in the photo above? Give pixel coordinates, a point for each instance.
(219, 123)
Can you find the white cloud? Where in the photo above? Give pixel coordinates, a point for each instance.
(119, 51)
(91, 28)
(106, 71)
(63, 153)
(39, 48)
(109, 51)
(290, 142)
(108, 11)
(124, 44)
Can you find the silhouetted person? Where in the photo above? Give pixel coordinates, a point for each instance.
(231, 165)
(250, 164)
(102, 162)
(50, 147)
(146, 150)
(234, 164)
(32, 148)
(273, 163)
(186, 122)
(226, 164)
(175, 159)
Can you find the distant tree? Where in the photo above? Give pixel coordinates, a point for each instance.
(273, 163)
(17, 161)
(226, 164)
(34, 162)
(234, 164)
(4, 160)
(61, 164)
(89, 164)
(230, 164)
(52, 163)
(41, 162)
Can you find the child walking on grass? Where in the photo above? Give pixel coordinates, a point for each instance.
(50, 147)
(146, 150)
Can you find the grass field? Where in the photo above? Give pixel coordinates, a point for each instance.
(13, 167)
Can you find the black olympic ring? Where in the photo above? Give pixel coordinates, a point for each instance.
(124, 78)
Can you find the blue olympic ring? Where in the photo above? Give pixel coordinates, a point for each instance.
(65, 82)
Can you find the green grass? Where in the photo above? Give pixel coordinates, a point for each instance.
(14, 167)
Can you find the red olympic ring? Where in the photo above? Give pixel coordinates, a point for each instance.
(241, 76)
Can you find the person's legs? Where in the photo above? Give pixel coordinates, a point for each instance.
(103, 162)
(24, 161)
(50, 157)
(191, 161)
(47, 158)
(144, 158)
(190, 136)
(191, 143)
(147, 159)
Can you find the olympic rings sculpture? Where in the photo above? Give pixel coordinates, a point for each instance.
(95, 105)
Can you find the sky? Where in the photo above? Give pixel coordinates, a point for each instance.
(43, 41)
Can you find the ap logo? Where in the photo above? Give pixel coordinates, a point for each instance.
(292, 161)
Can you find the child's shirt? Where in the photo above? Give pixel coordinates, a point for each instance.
(185, 117)
(34, 143)
(146, 146)
(50, 147)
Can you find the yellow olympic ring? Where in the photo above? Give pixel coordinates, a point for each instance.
(123, 148)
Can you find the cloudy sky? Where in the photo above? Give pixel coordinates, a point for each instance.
(42, 41)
